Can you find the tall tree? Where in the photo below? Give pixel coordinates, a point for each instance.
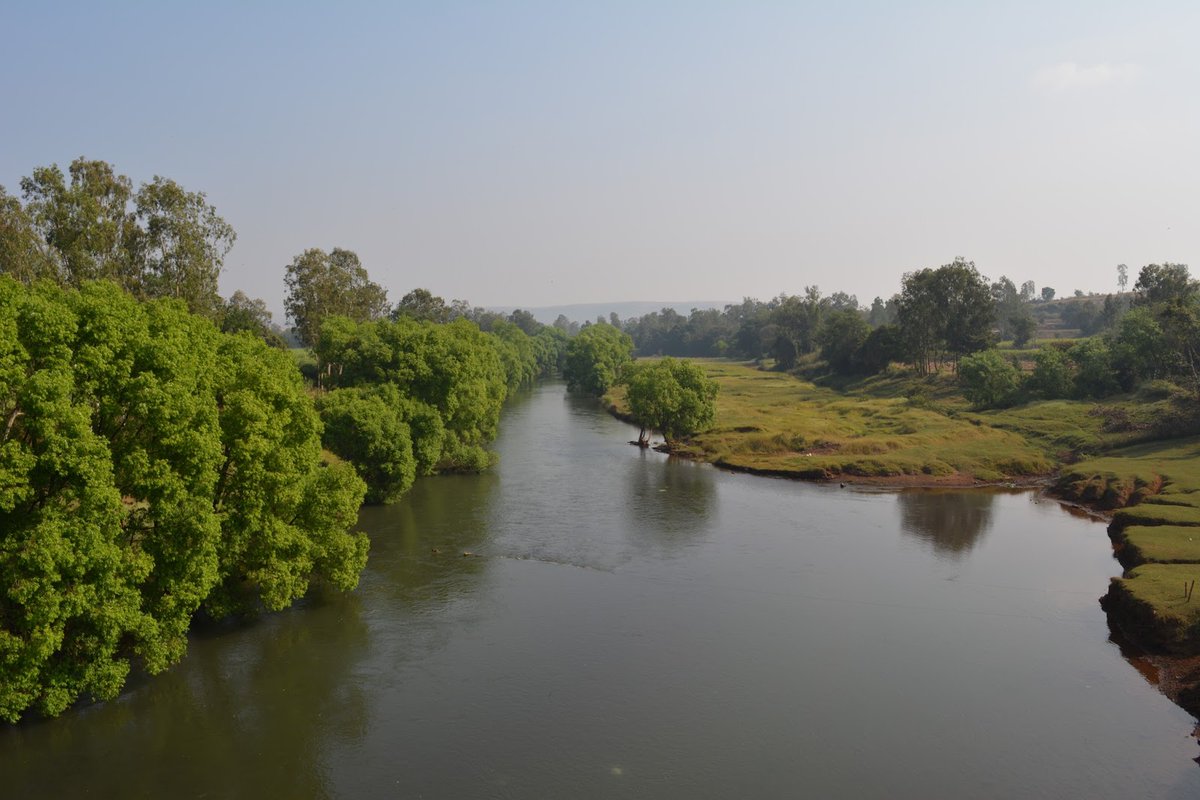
(23, 254)
(321, 285)
(179, 245)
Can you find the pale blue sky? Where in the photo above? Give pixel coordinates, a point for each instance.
(541, 153)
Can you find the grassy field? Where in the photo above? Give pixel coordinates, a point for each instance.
(895, 427)
(775, 423)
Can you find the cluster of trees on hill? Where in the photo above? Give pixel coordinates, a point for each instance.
(1157, 338)
(150, 467)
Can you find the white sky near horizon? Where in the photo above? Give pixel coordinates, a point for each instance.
(533, 154)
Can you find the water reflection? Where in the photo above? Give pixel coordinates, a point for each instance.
(670, 501)
(952, 522)
(426, 548)
(254, 707)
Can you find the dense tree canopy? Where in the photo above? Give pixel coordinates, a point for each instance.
(454, 369)
(150, 467)
(595, 358)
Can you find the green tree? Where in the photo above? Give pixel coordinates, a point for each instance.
(421, 304)
(453, 368)
(179, 245)
(162, 241)
(1047, 294)
(243, 313)
(988, 379)
(23, 254)
(321, 285)
(672, 397)
(1160, 284)
(1094, 375)
(595, 358)
(1051, 376)
(517, 354)
(149, 466)
(841, 338)
(362, 427)
(87, 222)
(945, 311)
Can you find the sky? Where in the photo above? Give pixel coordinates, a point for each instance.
(532, 154)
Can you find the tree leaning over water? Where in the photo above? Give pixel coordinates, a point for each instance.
(150, 467)
(672, 397)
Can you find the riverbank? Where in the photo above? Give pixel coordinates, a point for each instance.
(900, 431)
(897, 429)
(1154, 491)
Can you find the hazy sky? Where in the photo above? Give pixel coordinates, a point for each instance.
(541, 153)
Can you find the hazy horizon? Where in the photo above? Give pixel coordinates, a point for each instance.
(531, 155)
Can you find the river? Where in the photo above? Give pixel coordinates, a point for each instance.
(629, 625)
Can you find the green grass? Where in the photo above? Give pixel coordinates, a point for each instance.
(888, 427)
(1163, 544)
(1159, 590)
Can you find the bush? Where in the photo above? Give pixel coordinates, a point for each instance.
(988, 379)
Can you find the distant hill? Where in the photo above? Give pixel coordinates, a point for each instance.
(580, 312)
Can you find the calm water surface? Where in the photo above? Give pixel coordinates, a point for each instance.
(634, 626)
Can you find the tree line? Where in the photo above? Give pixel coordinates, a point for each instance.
(151, 468)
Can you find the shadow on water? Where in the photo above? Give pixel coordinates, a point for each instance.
(951, 521)
(671, 502)
(253, 707)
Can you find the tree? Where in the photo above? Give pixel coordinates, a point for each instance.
(421, 304)
(881, 347)
(673, 397)
(948, 310)
(1023, 327)
(1159, 284)
(1047, 294)
(1122, 276)
(595, 358)
(162, 241)
(525, 321)
(23, 254)
(87, 223)
(321, 285)
(179, 245)
(364, 428)
(841, 337)
(1028, 291)
(1051, 376)
(251, 315)
(988, 379)
(150, 467)
(453, 369)
(1094, 376)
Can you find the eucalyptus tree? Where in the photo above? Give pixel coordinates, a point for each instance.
(321, 285)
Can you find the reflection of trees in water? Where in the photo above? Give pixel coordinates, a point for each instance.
(669, 500)
(250, 712)
(417, 544)
(951, 521)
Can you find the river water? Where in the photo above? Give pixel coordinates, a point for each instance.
(629, 625)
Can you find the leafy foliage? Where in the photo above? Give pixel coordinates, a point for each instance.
(673, 397)
(988, 379)
(150, 466)
(595, 358)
